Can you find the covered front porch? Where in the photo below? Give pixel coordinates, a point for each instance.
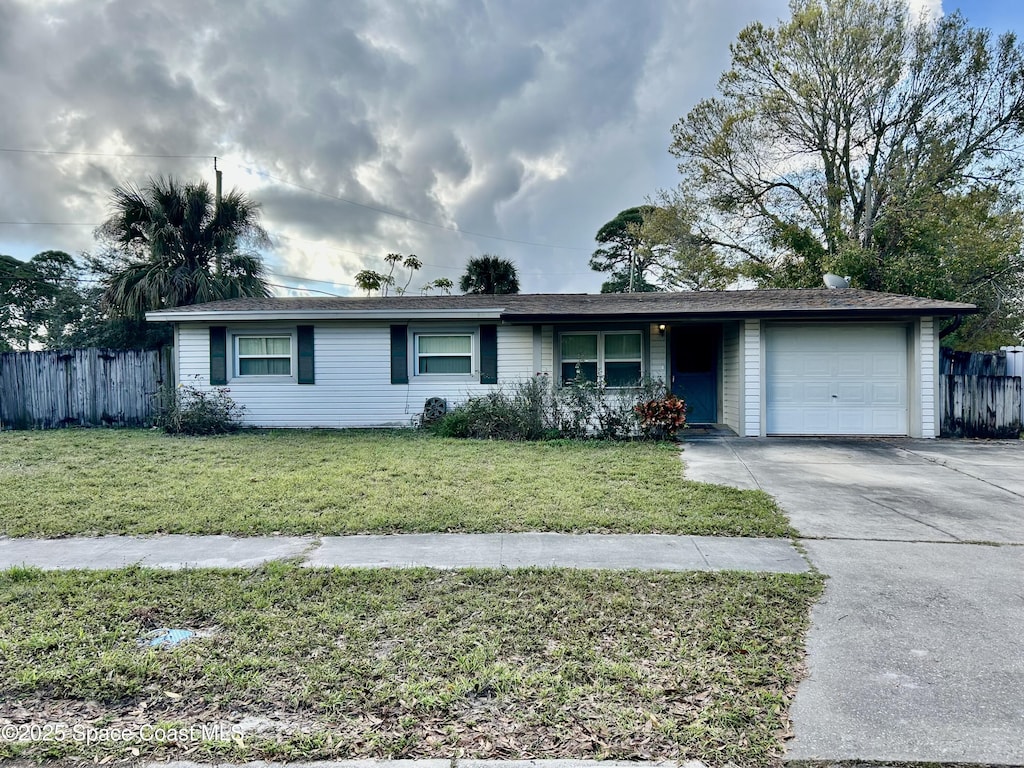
(702, 366)
(698, 360)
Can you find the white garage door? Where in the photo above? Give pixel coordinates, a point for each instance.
(836, 380)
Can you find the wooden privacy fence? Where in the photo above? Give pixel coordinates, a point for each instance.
(81, 387)
(979, 395)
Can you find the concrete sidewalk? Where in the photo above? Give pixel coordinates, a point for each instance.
(454, 762)
(446, 550)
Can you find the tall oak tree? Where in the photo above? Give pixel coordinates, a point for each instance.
(850, 138)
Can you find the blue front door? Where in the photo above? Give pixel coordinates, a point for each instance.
(694, 354)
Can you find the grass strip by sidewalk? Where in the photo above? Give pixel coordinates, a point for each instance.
(331, 664)
(61, 482)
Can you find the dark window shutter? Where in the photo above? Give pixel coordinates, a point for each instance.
(306, 368)
(488, 354)
(399, 355)
(218, 355)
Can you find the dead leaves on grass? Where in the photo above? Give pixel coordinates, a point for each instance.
(534, 664)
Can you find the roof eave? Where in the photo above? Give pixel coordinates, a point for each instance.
(778, 314)
(171, 316)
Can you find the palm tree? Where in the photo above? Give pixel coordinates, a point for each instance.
(489, 274)
(171, 244)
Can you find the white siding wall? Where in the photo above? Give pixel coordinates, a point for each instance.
(1014, 361)
(750, 344)
(1015, 367)
(732, 380)
(353, 377)
(192, 355)
(515, 353)
(928, 379)
(658, 356)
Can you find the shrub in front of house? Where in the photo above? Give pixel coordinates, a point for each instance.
(186, 410)
(661, 418)
(537, 409)
(522, 412)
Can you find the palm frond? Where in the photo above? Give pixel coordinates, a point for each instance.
(172, 245)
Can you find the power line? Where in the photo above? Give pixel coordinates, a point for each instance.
(389, 212)
(281, 236)
(357, 253)
(310, 290)
(89, 281)
(51, 223)
(262, 174)
(442, 267)
(101, 154)
(308, 279)
(45, 281)
(278, 234)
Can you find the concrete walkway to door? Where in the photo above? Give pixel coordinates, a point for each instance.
(915, 651)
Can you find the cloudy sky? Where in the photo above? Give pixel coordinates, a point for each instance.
(444, 128)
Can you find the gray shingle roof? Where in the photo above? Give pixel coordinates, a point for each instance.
(810, 302)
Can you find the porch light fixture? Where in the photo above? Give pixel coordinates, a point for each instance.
(661, 329)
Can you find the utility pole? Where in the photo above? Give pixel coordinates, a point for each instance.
(219, 175)
(216, 210)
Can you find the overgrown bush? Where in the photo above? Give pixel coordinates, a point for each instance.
(522, 413)
(537, 409)
(189, 410)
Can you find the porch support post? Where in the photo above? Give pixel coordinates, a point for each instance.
(753, 367)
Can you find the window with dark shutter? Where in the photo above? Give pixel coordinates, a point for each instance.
(399, 354)
(218, 355)
(307, 374)
(488, 354)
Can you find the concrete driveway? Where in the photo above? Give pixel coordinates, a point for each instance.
(916, 651)
(902, 490)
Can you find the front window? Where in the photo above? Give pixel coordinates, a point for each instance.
(450, 353)
(579, 356)
(615, 356)
(622, 359)
(264, 355)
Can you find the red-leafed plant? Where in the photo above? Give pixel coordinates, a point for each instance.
(661, 419)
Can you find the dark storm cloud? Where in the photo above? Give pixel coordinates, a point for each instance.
(534, 120)
(309, 216)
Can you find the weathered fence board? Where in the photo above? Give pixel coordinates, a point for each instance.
(981, 406)
(980, 393)
(81, 387)
(973, 363)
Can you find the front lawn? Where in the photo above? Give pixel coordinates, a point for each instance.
(329, 664)
(60, 482)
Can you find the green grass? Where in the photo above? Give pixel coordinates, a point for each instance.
(377, 663)
(61, 482)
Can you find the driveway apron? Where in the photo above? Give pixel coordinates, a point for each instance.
(915, 652)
